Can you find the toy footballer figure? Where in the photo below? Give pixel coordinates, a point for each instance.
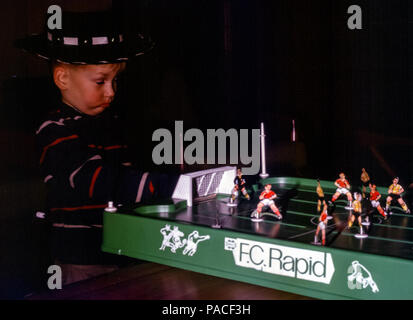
(395, 191)
(375, 200)
(320, 194)
(322, 223)
(343, 187)
(266, 199)
(356, 213)
(365, 179)
(239, 184)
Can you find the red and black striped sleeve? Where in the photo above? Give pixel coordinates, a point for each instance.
(70, 165)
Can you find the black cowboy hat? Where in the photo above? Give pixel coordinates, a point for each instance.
(86, 38)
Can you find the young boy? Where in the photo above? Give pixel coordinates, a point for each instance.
(395, 191)
(267, 199)
(343, 187)
(82, 156)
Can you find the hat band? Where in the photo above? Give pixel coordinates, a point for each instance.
(99, 40)
(70, 41)
(94, 41)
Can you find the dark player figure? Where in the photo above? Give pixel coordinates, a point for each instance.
(365, 179)
(239, 184)
(320, 197)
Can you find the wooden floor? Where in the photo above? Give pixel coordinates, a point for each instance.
(150, 281)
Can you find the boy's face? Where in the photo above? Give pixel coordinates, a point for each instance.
(90, 88)
(342, 176)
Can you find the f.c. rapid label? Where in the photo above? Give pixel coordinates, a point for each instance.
(281, 260)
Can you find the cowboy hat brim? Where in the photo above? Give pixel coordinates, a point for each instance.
(39, 45)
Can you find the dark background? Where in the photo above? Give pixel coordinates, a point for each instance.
(221, 64)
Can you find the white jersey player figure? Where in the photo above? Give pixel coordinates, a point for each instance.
(239, 184)
(321, 227)
(192, 242)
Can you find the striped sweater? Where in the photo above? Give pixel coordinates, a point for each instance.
(84, 164)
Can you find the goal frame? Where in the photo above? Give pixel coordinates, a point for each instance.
(184, 187)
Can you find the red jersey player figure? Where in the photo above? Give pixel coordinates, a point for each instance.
(395, 191)
(321, 226)
(267, 199)
(239, 184)
(356, 213)
(375, 200)
(343, 187)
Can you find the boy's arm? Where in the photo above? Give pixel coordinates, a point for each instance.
(68, 163)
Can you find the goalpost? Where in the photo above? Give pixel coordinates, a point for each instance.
(204, 183)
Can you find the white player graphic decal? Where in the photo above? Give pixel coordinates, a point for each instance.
(362, 277)
(172, 239)
(192, 242)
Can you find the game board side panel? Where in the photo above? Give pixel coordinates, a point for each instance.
(299, 268)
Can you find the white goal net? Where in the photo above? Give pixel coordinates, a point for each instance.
(201, 184)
